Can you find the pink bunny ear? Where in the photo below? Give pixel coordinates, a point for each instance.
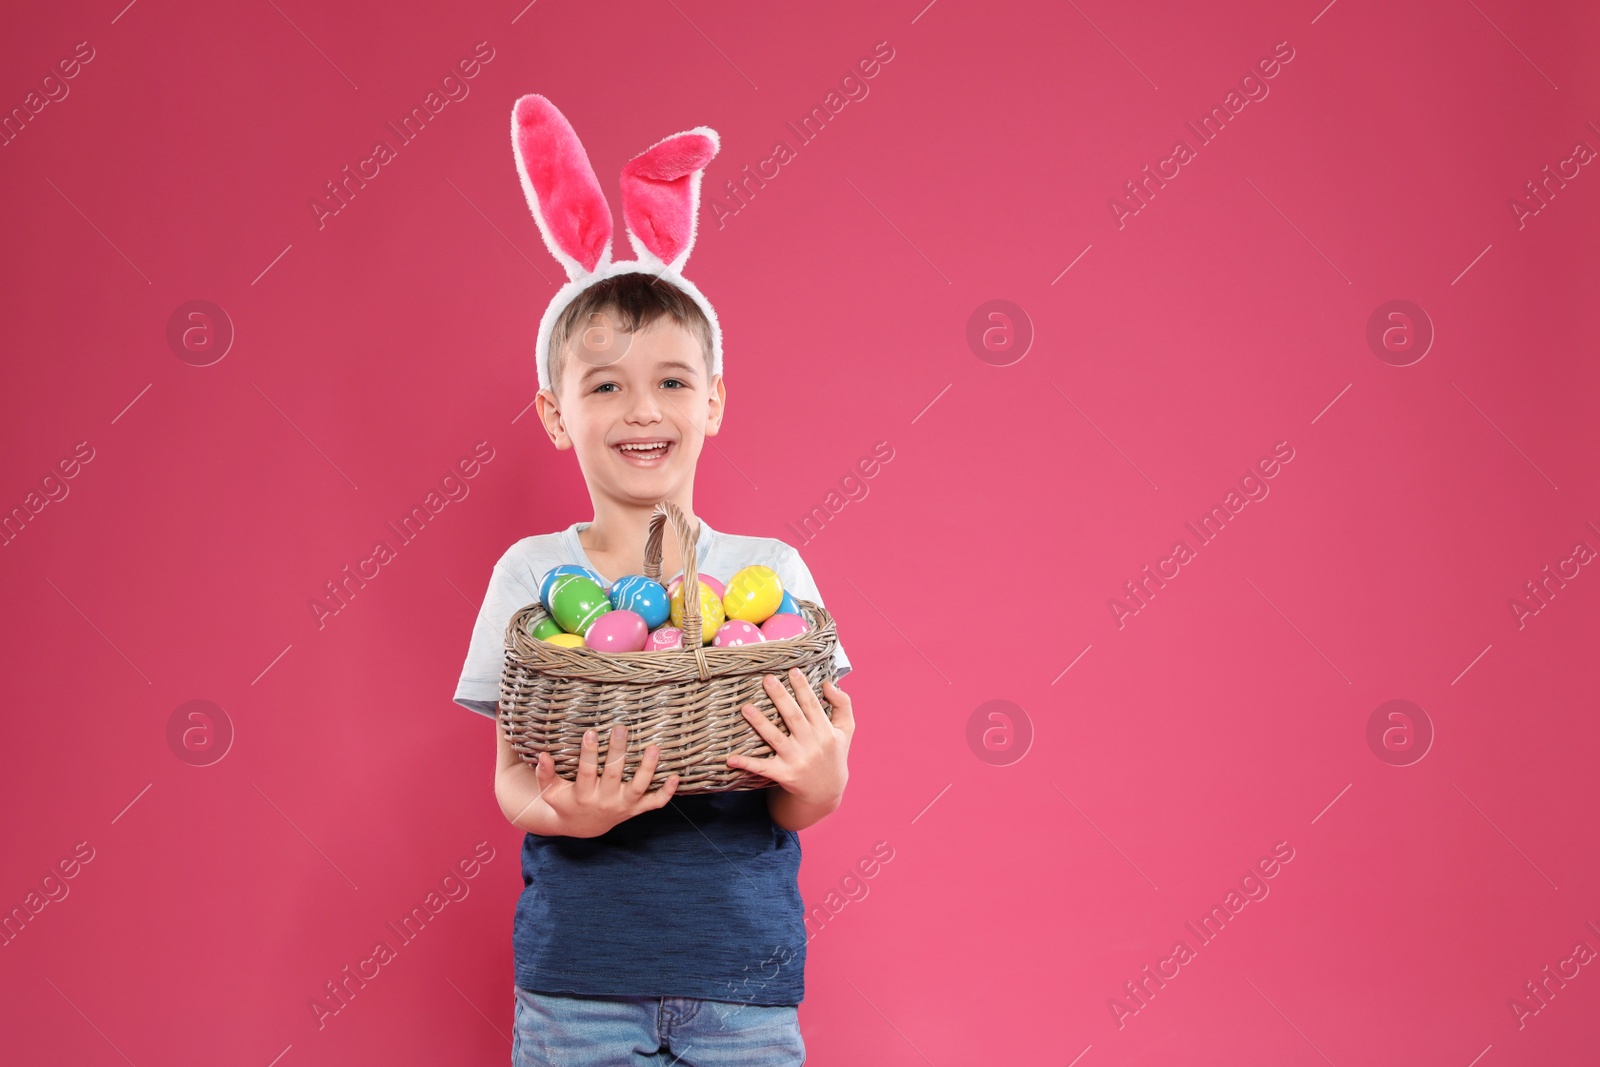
(560, 185)
(661, 194)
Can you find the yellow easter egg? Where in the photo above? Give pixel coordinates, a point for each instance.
(565, 640)
(753, 594)
(711, 614)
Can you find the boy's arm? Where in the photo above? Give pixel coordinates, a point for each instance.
(516, 787)
(794, 813)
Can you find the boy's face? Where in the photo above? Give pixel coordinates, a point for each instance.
(657, 390)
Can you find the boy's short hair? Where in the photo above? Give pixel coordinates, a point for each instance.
(634, 300)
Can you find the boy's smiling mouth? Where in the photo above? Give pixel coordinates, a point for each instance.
(644, 452)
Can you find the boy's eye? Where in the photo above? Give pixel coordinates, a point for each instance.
(678, 382)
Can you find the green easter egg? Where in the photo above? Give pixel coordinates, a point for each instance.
(546, 627)
(576, 601)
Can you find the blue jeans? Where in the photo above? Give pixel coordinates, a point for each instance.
(565, 1030)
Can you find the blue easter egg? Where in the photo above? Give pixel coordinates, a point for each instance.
(566, 568)
(787, 606)
(642, 596)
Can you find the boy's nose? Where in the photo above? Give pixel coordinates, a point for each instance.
(645, 408)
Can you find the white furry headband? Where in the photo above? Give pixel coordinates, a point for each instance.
(660, 206)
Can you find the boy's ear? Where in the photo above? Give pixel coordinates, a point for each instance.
(716, 404)
(550, 415)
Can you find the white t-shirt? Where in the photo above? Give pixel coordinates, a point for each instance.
(516, 579)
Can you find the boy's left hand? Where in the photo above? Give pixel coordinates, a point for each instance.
(811, 759)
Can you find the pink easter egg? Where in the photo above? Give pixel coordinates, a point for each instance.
(664, 639)
(780, 627)
(737, 632)
(618, 630)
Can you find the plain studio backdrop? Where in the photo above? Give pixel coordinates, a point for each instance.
(1234, 366)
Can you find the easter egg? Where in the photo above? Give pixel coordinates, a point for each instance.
(753, 594)
(641, 595)
(716, 586)
(783, 626)
(664, 639)
(566, 568)
(545, 627)
(737, 632)
(618, 630)
(576, 601)
(711, 615)
(787, 606)
(565, 640)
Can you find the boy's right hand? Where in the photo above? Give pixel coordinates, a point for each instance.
(599, 799)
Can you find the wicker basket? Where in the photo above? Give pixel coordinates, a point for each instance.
(685, 700)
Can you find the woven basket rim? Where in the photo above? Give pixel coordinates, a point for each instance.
(670, 665)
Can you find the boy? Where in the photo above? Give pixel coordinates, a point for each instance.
(653, 928)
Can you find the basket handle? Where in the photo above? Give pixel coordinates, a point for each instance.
(687, 548)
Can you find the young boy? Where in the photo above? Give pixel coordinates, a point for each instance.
(653, 928)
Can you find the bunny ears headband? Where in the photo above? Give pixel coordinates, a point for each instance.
(660, 203)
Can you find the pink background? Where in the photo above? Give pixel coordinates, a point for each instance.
(1228, 715)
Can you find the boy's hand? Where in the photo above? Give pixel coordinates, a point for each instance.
(600, 799)
(811, 760)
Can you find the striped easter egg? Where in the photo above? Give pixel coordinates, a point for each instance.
(576, 601)
(566, 568)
